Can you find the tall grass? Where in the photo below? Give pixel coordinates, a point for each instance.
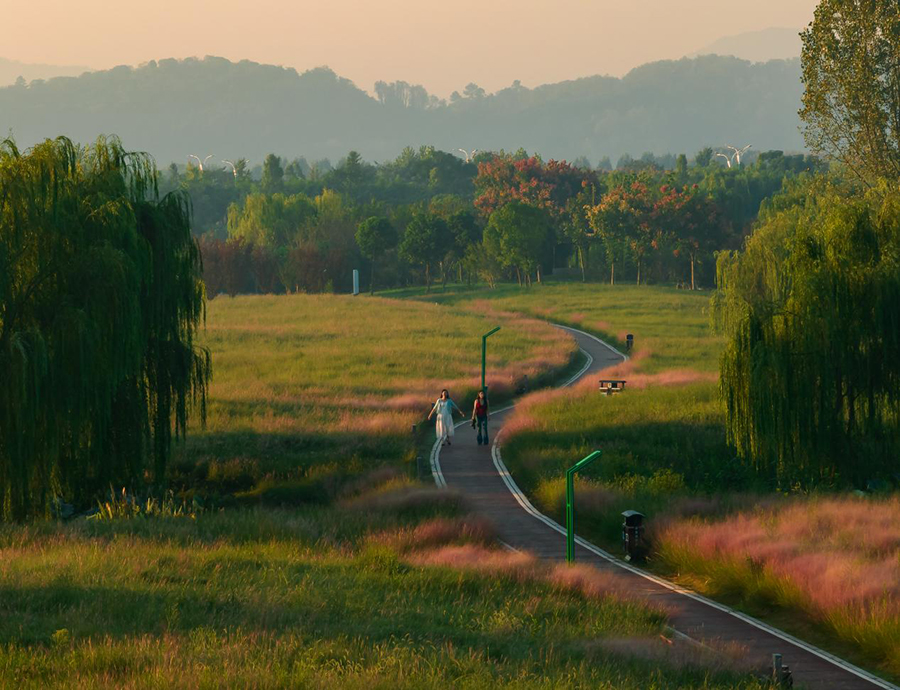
(836, 561)
(313, 597)
(312, 389)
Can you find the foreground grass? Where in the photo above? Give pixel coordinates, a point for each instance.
(309, 390)
(834, 560)
(362, 594)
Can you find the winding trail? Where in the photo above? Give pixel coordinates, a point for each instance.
(479, 474)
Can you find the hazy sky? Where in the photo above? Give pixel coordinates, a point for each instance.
(442, 44)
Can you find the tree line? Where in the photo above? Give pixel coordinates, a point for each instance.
(431, 216)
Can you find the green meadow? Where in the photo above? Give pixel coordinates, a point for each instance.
(309, 390)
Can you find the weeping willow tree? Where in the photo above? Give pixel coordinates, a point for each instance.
(811, 307)
(100, 298)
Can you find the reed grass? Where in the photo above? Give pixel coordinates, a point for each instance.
(312, 597)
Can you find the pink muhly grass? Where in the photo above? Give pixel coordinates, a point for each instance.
(593, 583)
(370, 480)
(479, 558)
(439, 532)
(840, 554)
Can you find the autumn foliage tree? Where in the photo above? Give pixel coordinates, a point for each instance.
(690, 222)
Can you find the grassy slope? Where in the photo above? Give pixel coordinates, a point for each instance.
(310, 389)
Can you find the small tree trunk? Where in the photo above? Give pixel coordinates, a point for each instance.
(612, 273)
(539, 275)
(427, 279)
(581, 257)
(692, 272)
(518, 276)
(372, 279)
(639, 272)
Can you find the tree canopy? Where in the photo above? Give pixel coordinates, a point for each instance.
(851, 70)
(811, 373)
(100, 298)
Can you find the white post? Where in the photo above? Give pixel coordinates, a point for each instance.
(355, 282)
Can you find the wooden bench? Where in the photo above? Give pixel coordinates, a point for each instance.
(611, 386)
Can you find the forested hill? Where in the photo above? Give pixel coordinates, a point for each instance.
(172, 108)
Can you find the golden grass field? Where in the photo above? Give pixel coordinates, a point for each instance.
(308, 387)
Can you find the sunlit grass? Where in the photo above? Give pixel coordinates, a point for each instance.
(671, 328)
(308, 387)
(316, 597)
(837, 561)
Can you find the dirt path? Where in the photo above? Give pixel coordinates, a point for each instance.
(479, 474)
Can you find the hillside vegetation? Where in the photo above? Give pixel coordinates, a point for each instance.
(172, 108)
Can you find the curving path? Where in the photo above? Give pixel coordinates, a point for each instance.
(479, 474)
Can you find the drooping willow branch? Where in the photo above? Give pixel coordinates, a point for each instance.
(100, 296)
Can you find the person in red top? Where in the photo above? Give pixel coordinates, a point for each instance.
(480, 417)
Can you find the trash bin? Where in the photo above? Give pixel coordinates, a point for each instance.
(629, 342)
(632, 534)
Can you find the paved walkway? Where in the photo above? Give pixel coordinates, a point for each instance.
(479, 474)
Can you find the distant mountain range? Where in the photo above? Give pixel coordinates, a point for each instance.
(173, 108)
(10, 70)
(757, 46)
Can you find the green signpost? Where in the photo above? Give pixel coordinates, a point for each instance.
(484, 356)
(570, 503)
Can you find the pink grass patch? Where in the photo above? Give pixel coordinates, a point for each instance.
(403, 498)
(590, 582)
(478, 558)
(673, 377)
(840, 554)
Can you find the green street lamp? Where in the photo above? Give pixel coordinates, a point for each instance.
(570, 503)
(484, 356)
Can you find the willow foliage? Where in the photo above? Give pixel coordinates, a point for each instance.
(811, 307)
(100, 298)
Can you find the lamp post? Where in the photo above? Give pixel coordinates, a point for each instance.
(484, 356)
(570, 503)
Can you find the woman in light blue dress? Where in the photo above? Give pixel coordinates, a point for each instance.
(444, 408)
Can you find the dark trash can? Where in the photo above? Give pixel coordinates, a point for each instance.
(629, 342)
(632, 534)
